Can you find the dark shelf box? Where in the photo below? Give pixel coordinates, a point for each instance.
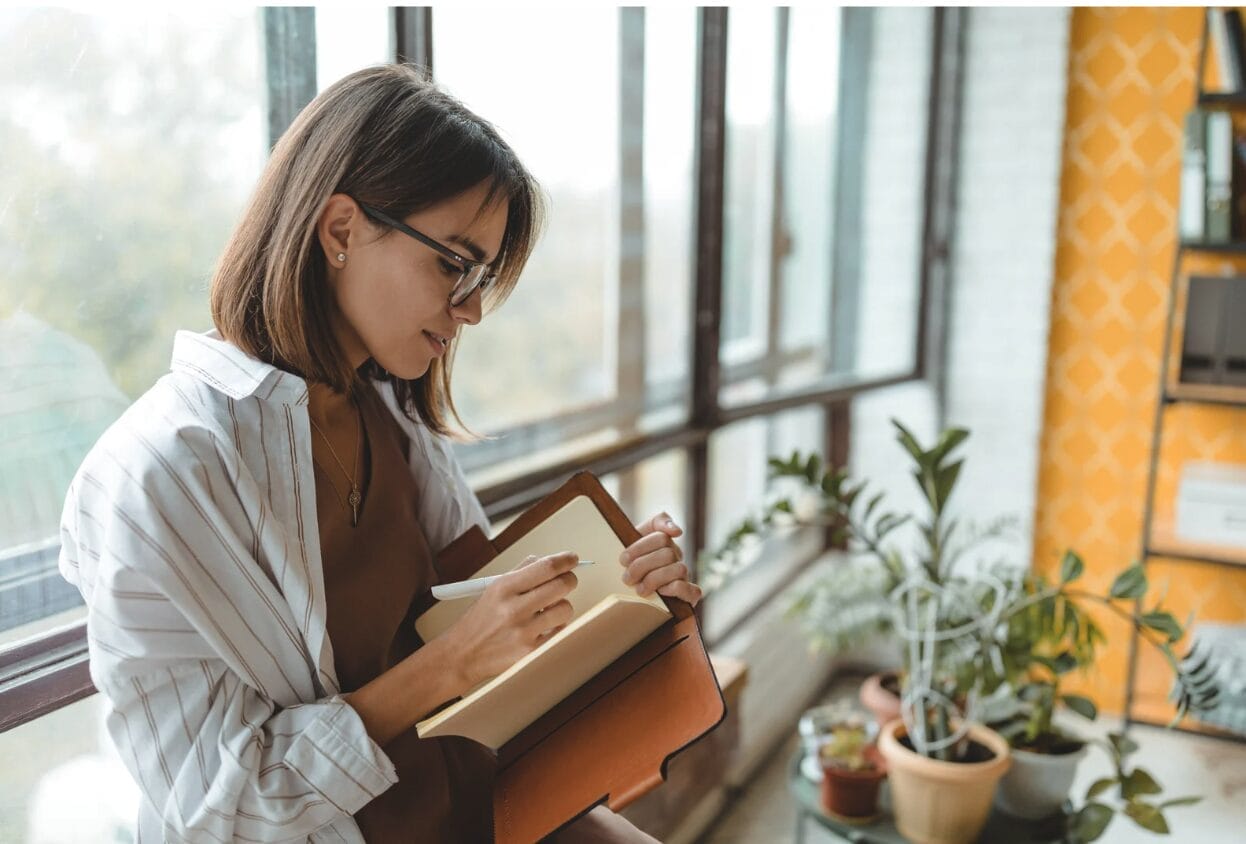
(1234, 99)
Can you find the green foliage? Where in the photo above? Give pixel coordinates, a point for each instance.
(1083, 706)
(846, 748)
(1090, 822)
(1132, 785)
(1045, 630)
(1071, 567)
(1131, 583)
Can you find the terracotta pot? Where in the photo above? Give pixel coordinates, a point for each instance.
(938, 802)
(853, 794)
(1037, 784)
(884, 705)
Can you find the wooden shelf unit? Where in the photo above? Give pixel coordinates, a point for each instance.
(1228, 247)
(1165, 543)
(1159, 539)
(1206, 394)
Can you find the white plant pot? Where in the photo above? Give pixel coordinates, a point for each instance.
(1037, 784)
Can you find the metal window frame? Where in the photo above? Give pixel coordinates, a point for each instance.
(44, 674)
(289, 64)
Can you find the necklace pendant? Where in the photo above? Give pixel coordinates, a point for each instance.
(354, 500)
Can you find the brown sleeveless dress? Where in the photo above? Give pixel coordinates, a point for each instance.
(373, 573)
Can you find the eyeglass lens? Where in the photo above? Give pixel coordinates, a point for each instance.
(467, 284)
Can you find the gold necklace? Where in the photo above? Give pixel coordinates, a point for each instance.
(354, 498)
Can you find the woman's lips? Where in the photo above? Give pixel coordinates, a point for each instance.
(438, 348)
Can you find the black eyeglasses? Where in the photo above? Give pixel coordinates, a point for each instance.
(473, 275)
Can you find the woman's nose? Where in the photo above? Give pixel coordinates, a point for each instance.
(469, 310)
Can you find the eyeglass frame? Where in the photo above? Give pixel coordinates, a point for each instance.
(467, 264)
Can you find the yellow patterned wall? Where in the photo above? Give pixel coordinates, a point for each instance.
(1131, 80)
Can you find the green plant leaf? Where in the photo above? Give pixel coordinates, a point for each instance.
(869, 508)
(1090, 822)
(1122, 744)
(1099, 786)
(1065, 662)
(1083, 706)
(946, 481)
(1162, 622)
(1131, 583)
(1147, 816)
(910, 443)
(1180, 801)
(948, 441)
(813, 468)
(1137, 783)
(832, 481)
(1071, 567)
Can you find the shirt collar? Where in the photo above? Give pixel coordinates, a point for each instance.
(229, 369)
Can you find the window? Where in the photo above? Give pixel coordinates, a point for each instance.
(131, 141)
(738, 470)
(598, 327)
(823, 199)
(596, 361)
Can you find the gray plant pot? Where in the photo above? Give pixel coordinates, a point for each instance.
(1037, 784)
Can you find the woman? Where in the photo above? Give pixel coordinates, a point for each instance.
(251, 535)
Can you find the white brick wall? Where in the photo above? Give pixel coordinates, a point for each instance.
(1004, 256)
(1012, 126)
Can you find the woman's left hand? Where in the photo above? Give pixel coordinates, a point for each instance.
(655, 563)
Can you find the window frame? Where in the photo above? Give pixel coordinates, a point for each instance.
(47, 672)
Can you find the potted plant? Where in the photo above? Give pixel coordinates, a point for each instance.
(880, 694)
(943, 765)
(852, 771)
(1049, 634)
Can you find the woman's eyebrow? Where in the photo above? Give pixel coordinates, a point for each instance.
(471, 245)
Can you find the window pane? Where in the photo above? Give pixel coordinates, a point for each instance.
(550, 348)
(894, 181)
(131, 140)
(63, 782)
(748, 200)
(593, 345)
(738, 457)
(349, 38)
(849, 304)
(809, 180)
(670, 134)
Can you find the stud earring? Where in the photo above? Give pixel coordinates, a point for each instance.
(341, 256)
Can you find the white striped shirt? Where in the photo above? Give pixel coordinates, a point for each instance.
(190, 530)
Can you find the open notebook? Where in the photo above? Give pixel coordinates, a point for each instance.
(609, 619)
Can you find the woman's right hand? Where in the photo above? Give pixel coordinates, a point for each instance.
(513, 616)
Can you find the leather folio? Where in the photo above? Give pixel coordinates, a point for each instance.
(610, 740)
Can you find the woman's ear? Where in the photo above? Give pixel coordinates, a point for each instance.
(338, 228)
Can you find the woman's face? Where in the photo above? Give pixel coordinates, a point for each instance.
(393, 292)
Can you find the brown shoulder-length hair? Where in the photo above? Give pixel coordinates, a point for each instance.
(391, 138)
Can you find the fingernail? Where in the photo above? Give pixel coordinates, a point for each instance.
(623, 559)
(670, 523)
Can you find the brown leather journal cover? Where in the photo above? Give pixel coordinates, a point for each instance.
(611, 739)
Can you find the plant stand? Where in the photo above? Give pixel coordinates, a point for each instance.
(1000, 827)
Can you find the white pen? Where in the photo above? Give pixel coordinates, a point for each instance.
(468, 588)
